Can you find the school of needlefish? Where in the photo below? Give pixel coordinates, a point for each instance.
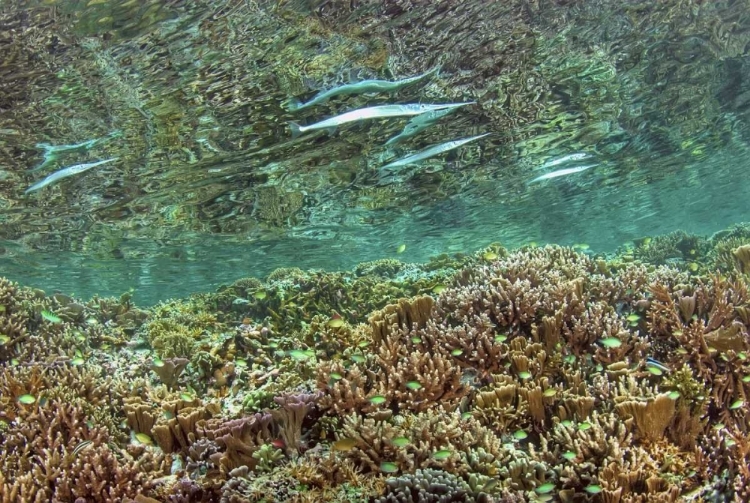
(422, 116)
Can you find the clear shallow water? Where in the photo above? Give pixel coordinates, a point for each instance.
(710, 199)
(211, 187)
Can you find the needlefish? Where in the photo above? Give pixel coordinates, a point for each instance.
(419, 123)
(431, 152)
(562, 160)
(362, 87)
(66, 172)
(563, 172)
(378, 112)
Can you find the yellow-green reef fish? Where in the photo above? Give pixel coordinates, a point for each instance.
(378, 112)
(365, 86)
(432, 152)
(66, 172)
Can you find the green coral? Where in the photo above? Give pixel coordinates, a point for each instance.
(258, 399)
(170, 339)
(267, 456)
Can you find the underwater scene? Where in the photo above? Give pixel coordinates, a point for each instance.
(381, 251)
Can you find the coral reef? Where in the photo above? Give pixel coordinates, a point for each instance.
(530, 374)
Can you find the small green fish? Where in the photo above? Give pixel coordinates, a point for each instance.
(344, 444)
(388, 467)
(520, 435)
(545, 488)
(457, 352)
(260, 295)
(400, 441)
(144, 439)
(566, 422)
(241, 362)
(442, 454)
(674, 395)
(466, 415)
(4, 339)
(186, 397)
(655, 370)
(26, 399)
(611, 342)
(633, 317)
(357, 358)
(157, 362)
(51, 317)
(416, 340)
(414, 385)
(438, 289)
(736, 405)
(489, 256)
(569, 359)
(501, 338)
(746, 378)
(569, 455)
(549, 392)
(377, 400)
(77, 361)
(336, 376)
(298, 354)
(336, 322)
(593, 489)
(524, 374)
(401, 248)
(584, 426)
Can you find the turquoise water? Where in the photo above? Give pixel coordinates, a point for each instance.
(223, 279)
(209, 186)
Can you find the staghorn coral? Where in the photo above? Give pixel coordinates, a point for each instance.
(52, 453)
(500, 381)
(431, 486)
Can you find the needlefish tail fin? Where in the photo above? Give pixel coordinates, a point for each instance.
(292, 104)
(295, 128)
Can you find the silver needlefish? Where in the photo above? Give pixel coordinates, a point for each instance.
(66, 172)
(365, 86)
(378, 112)
(562, 160)
(563, 172)
(419, 123)
(432, 152)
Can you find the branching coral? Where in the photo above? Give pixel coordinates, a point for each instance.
(526, 373)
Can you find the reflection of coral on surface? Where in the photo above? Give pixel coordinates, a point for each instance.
(536, 372)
